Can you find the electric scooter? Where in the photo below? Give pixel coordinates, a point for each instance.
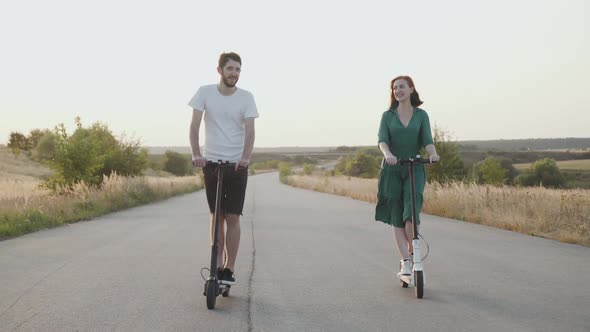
(416, 279)
(213, 286)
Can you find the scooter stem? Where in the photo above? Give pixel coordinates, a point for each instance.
(215, 246)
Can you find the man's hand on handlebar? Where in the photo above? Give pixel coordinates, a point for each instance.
(243, 163)
(199, 161)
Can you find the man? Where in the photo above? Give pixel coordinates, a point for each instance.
(229, 136)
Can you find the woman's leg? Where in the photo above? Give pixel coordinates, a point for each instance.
(401, 241)
(410, 235)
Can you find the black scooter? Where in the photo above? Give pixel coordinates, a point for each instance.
(213, 286)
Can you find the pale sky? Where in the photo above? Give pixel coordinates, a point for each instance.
(319, 70)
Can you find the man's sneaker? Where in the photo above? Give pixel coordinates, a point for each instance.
(228, 277)
(219, 273)
(406, 268)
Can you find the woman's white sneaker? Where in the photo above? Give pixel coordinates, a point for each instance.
(406, 268)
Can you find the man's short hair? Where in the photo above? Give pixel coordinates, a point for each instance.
(225, 57)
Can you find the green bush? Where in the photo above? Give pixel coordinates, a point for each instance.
(91, 153)
(284, 171)
(543, 172)
(489, 171)
(451, 166)
(267, 164)
(363, 165)
(307, 169)
(45, 148)
(177, 164)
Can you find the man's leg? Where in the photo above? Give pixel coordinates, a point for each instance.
(235, 194)
(232, 239)
(220, 238)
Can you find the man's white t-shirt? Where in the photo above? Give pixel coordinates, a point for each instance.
(224, 121)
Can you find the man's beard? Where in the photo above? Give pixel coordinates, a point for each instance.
(227, 83)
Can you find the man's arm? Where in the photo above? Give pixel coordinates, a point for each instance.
(198, 160)
(248, 143)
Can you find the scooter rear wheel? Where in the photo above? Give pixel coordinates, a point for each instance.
(211, 293)
(419, 280)
(225, 293)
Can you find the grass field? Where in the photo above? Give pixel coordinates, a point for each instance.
(564, 165)
(563, 215)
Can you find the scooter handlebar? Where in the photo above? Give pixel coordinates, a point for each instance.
(220, 163)
(417, 160)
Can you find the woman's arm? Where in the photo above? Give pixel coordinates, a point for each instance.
(431, 149)
(390, 159)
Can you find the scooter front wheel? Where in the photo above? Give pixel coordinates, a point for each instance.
(211, 293)
(419, 280)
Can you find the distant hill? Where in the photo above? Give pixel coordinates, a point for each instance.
(530, 144)
(289, 150)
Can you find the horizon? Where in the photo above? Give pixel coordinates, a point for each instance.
(363, 145)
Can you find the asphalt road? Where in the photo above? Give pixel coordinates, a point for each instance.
(308, 262)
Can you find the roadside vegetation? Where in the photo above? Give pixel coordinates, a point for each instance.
(50, 178)
(537, 198)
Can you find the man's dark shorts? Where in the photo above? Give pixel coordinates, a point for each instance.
(234, 188)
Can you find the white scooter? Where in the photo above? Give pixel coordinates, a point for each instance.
(416, 279)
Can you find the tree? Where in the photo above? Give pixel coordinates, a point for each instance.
(18, 141)
(307, 169)
(34, 137)
(450, 166)
(490, 171)
(511, 172)
(177, 164)
(544, 172)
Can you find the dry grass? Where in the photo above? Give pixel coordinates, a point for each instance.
(22, 195)
(18, 192)
(25, 208)
(357, 188)
(562, 215)
(20, 166)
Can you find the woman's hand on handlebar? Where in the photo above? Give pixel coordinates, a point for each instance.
(434, 158)
(390, 159)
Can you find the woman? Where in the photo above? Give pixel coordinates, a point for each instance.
(404, 130)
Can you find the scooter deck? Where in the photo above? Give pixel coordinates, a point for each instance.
(409, 279)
